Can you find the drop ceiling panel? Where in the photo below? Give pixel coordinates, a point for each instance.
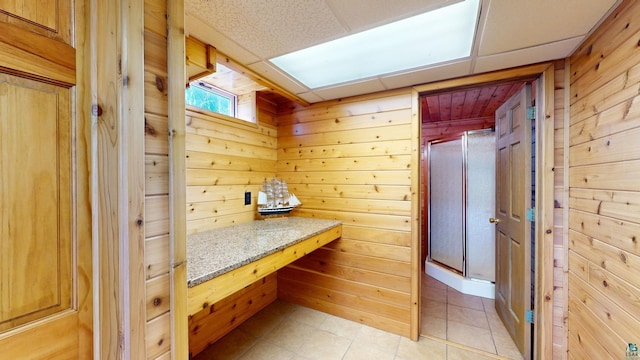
(204, 32)
(274, 74)
(363, 87)
(513, 25)
(270, 28)
(359, 15)
(512, 33)
(532, 55)
(416, 77)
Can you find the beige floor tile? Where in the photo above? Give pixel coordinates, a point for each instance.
(267, 351)
(262, 322)
(496, 325)
(428, 281)
(456, 353)
(489, 305)
(308, 316)
(363, 352)
(506, 347)
(439, 295)
(381, 340)
(323, 345)
(290, 334)
(467, 316)
(455, 297)
(471, 336)
(434, 326)
(232, 346)
(422, 349)
(434, 308)
(341, 327)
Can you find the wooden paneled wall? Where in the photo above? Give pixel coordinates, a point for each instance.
(156, 190)
(604, 197)
(225, 158)
(217, 320)
(560, 235)
(351, 160)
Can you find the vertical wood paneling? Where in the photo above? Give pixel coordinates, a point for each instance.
(329, 153)
(157, 250)
(604, 314)
(177, 180)
(84, 192)
(120, 177)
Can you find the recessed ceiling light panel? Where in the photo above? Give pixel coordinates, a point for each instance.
(433, 37)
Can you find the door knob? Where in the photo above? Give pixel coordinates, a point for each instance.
(494, 220)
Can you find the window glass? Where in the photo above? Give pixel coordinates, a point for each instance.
(204, 96)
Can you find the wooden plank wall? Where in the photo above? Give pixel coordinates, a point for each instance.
(604, 196)
(225, 158)
(156, 250)
(217, 320)
(350, 160)
(560, 235)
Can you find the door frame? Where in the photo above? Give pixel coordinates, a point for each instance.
(544, 163)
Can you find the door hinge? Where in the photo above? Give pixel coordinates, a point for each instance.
(529, 316)
(531, 113)
(531, 214)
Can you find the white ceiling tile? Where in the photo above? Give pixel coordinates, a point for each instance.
(274, 74)
(202, 31)
(270, 28)
(524, 31)
(340, 91)
(427, 75)
(532, 55)
(517, 24)
(359, 15)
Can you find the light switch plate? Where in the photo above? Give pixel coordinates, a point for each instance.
(247, 197)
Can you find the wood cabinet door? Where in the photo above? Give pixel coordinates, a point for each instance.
(45, 233)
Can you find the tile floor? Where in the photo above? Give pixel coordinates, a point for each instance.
(450, 315)
(452, 329)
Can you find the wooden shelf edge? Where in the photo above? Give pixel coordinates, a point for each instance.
(212, 291)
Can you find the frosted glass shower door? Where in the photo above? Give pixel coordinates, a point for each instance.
(481, 200)
(446, 211)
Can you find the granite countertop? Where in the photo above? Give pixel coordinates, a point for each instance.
(215, 252)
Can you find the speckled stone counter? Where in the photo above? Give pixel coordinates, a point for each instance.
(216, 252)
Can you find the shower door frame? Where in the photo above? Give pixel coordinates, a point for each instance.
(463, 137)
(462, 207)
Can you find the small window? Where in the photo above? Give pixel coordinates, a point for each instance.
(205, 96)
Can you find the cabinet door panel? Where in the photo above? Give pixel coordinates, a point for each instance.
(50, 18)
(35, 201)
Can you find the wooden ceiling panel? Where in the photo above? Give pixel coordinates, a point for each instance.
(469, 103)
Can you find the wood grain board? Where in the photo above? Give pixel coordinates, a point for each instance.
(218, 288)
(604, 165)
